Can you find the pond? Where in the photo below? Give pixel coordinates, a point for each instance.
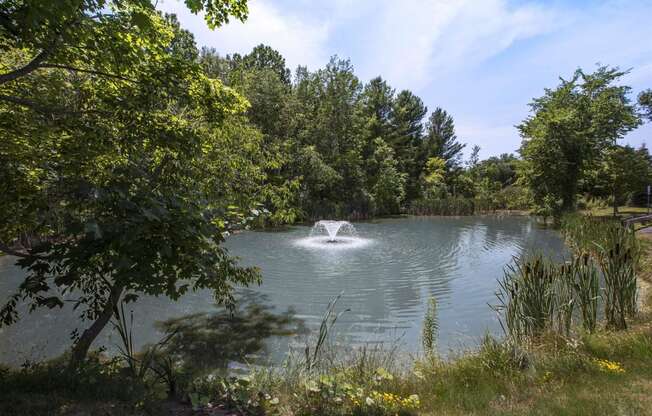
(385, 283)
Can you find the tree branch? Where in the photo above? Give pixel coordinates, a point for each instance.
(87, 71)
(31, 66)
(41, 57)
(40, 108)
(46, 109)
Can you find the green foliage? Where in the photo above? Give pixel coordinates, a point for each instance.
(337, 147)
(645, 102)
(586, 285)
(42, 388)
(340, 393)
(526, 297)
(430, 328)
(389, 187)
(408, 112)
(441, 140)
(217, 13)
(434, 174)
(537, 296)
(569, 131)
(621, 176)
(120, 157)
(619, 269)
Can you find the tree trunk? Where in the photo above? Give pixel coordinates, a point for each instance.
(80, 349)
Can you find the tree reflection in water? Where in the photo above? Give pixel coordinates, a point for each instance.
(213, 340)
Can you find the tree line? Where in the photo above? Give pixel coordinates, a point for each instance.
(341, 147)
(345, 148)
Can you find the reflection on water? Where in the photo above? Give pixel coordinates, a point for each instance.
(212, 340)
(386, 284)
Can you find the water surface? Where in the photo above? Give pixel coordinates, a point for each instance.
(385, 283)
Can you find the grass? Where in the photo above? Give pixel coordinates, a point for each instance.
(623, 211)
(601, 373)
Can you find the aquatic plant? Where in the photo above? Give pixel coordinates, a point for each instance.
(618, 263)
(586, 286)
(328, 320)
(430, 328)
(526, 296)
(563, 296)
(617, 251)
(139, 364)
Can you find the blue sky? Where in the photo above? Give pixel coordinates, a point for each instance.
(481, 60)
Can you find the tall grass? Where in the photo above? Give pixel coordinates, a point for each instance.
(617, 251)
(538, 295)
(525, 296)
(330, 317)
(586, 285)
(563, 296)
(619, 270)
(586, 233)
(152, 364)
(430, 329)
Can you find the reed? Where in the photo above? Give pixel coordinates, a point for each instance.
(538, 295)
(526, 296)
(139, 364)
(314, 355)
(618, 263)
(617, 251)
(563, 296)
(430, 329)
(586, 286)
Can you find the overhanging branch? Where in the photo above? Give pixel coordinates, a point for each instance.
(40, 108)
(47, 109)
(31, 66)
(87, 71)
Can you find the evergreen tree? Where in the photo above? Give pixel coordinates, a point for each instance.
(441, 140)
(407, 133)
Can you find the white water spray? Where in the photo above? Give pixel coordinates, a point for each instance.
(333, 235)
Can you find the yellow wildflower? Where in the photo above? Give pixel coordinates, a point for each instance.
(610, 366)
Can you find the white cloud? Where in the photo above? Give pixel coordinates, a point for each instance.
(414, 42)
(493, 139)
(301, 40)
(409, 42)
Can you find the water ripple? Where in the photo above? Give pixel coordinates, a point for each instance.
(387, 274)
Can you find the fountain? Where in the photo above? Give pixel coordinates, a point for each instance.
(329, 234)
(332, 228)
